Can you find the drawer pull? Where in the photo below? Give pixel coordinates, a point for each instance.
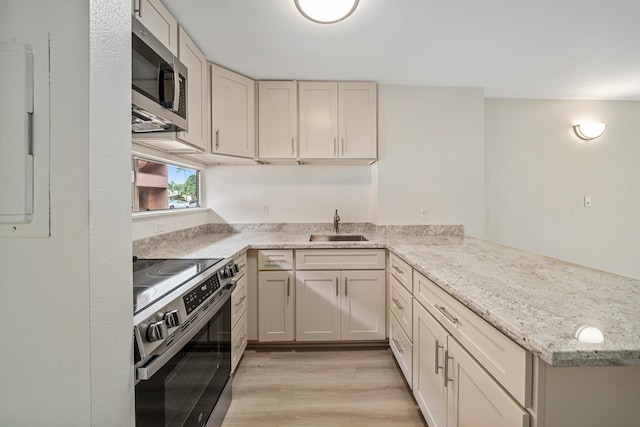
(239, 303)
(438, 367)
(397, 343)
(398, 270)
(288, 288)
(276, 261)
(397, 303)
(337, 285)
(446, 314)
(244, 337)
(447, 380)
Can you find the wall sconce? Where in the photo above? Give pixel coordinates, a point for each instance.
(326, 11)
(589, 131)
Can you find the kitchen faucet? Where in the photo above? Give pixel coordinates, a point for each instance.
(336, 220)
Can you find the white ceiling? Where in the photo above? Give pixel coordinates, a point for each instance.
(555, 49)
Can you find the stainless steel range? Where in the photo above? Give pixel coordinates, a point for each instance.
(182, 340)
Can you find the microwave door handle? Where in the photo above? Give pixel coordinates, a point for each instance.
(176, 90)
(166, 73)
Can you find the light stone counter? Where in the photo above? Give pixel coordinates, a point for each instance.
(538, 302)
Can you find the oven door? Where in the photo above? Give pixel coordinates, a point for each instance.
(187, 388)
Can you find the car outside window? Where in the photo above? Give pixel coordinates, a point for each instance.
(161, 185)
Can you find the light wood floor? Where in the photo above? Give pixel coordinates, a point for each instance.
(338, 388)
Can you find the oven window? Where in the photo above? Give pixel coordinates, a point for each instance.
(186, 389)
(161, 185)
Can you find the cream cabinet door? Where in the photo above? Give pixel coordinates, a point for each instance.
(232, 113)
(474, 398)
(238, 341)
(318, 295)
(197, 93)
(429, 344)
(276, 301)
(363, 305)
(318, 120)
(277, 119)
(357, 120)
(157, 19)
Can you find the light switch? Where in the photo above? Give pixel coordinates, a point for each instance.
(587, 201)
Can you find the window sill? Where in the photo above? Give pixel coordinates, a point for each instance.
(166, 212)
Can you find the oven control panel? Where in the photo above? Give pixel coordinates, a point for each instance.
(200, 293)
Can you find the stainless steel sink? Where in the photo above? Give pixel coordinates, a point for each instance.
(337, 238)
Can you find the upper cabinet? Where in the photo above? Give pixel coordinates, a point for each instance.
(338, 120)
(277, 120)
(157, 19)
(232, 113)
(197, 93)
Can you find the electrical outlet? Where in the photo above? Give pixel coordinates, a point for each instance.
(158, 227)
(423, 213)
(264, 209)
(587, 201)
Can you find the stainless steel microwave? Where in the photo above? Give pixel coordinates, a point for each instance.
(159, 84)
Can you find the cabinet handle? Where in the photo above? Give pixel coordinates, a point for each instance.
(293, 151)
(447, 380)
(397, 303)
(337, 292)
(138, 10)
(239, 303)
(398, 345)
(446, 314)
(399, 271)
(438, 367)
(346, 286)
(288, 288)
(237, 347)
(217, 138)
(335, 146)
(343, 146)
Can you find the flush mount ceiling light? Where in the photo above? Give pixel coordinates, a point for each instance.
(589, 131)
(326, 11)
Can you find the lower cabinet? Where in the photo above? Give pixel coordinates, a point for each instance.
(340, 305)
(450, 387)
(276, 301)
(238, 341)
(239, 313)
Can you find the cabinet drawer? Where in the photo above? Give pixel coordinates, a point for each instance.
(238, 341)
(275, 260)
(340, 259)
(401, 270)
(241, 263)
(499, 355)
(239, 300)
(402, 349)
(401, 306)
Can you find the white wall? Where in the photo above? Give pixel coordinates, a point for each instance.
(307, 193)
(431, 151)
(110, 287)
(538, 172)
(66, 299)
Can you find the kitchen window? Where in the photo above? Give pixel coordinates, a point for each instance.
(158, 185)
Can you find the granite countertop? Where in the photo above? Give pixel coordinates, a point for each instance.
(537, 301)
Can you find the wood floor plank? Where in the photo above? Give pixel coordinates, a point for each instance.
(349, 388)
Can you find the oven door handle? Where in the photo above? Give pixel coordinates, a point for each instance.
(149, 370)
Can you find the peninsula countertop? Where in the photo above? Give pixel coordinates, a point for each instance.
(538, 302)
